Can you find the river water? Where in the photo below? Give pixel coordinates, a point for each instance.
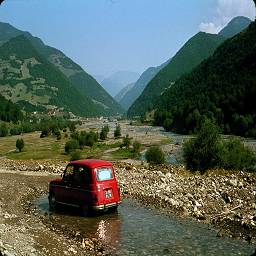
(137, 230)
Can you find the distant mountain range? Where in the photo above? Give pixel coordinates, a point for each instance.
(131, 93)
(198, 48)
(117, 81)
(123, 92)
(222, 88)
(92, 99)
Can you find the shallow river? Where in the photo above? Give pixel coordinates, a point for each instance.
(136, 230)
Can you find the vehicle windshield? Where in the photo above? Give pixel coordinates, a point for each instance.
(104, 173)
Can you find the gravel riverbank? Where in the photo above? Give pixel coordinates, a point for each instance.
(225, 199)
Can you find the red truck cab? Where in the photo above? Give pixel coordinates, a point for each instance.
(89, 184)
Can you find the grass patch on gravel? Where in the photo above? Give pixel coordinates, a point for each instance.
(124, 154)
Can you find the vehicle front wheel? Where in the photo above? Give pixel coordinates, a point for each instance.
(52, 201)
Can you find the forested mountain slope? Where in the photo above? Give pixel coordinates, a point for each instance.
(197, 49)
(102, 102)
(222, 88)
(29, 80)
(9, 111)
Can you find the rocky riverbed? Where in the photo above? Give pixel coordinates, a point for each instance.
(225, 199)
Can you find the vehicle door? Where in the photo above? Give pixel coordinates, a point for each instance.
(64, 194)
(81, 186)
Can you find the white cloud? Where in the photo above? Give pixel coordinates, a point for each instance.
(209, 27)
(225, 11)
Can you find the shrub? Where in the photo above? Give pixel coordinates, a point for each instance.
(3, 130)
(208, 151)
(117, 132)
(90, 140)
(75, 155)
(136, 147)
(20, 144)
(104, 132)
(155, 155)
(56, 133)
(15, 131)
(126, 142)
(205, 151)
(45, 132)
(71, 145)
(237, 156)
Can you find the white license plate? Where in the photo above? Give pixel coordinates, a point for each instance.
(108, 193)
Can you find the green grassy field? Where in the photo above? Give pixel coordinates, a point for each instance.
(50, 148)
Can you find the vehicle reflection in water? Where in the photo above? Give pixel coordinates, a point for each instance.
(137, 230)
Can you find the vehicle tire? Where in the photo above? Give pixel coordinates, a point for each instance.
(113, 209)
(52, 201)
(85, 210)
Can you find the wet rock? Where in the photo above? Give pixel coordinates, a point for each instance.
(232, 182)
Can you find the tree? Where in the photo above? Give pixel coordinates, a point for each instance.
(20, 144)
(155, 155)
(117, 132)
(104, 132)
(71, 145)
(136, 146)
(126, 141)
(206, 150)
(3, 130)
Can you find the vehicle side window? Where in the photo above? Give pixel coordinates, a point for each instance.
(82, 176)
(68, 174)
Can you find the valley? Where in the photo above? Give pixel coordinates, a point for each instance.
(172, 107)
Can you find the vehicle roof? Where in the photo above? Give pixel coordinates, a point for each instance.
(91, 163)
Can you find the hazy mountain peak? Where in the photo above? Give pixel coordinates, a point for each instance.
(117, 81)
(235, 26)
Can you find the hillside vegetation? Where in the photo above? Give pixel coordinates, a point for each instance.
(100, 101)
(34, 83)
(222, 88)
(197, 49)
(9, 111)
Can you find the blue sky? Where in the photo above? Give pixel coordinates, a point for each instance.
(105, 36)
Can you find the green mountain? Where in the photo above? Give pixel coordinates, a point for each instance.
(197, 49)
(134, 92)
(86, 85)
(235, 26)
(29, 80)
(222, 88)
(9, 111)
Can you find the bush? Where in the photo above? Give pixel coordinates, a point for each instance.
(117, 132)
(237, 156)
(136, 147)
(205, 151)
(71, 145)
(126, 142)
(3, 130)
(75, 155)
(20, 144)
(15, 131)
(155, 155)
(104, 132)
(208, 151)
